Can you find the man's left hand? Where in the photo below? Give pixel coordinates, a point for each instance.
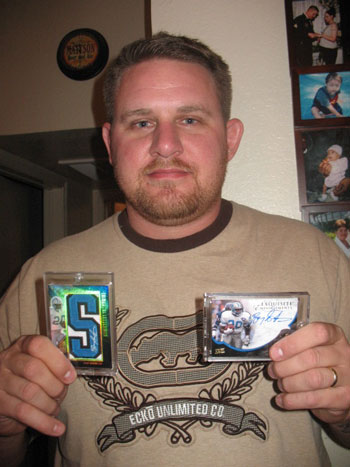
(306, 364)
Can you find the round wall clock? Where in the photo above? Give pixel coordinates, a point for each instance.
(82, 54)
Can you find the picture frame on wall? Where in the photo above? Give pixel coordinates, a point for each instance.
(321, 96)
(323, 161)
(320, 84)
(333, 221)
(318, 32)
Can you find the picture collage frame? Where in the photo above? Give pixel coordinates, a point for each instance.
(318, 33)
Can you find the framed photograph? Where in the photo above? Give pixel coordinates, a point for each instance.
(321, 98)
(334, 221)
(323, 159)
(318, 32)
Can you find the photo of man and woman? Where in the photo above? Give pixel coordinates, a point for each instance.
(317, 33)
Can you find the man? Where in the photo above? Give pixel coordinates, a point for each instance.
(235, 325)
(304, 35)
(169, 138)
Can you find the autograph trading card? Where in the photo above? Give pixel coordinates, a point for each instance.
(80, 319)
(245, 326)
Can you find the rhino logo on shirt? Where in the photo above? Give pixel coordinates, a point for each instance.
(161, 351)
(149, 352)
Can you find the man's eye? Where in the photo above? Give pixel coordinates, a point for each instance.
(190, 121)
(142, 124)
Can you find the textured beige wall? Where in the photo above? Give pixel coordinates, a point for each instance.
(35, 95)
(251, 36)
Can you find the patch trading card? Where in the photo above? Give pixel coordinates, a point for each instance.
(244, 326)
(80, 319)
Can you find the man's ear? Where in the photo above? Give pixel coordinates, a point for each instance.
(234, 133)
(106, 135)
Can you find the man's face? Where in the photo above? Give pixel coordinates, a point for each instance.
(333, 86)
(168, 143)
(312, 14)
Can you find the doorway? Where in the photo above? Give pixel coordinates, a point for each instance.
(21, 226)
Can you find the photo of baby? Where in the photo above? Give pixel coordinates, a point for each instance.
(324, 159)
(333, 167)
(324, 95)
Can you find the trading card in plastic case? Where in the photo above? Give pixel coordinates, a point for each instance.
(81, 321)
(244, 326)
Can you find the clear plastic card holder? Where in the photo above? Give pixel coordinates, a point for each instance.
(80, 319)
(244, 326)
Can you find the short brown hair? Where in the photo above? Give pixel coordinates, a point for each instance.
(164, 45)
(334, 75)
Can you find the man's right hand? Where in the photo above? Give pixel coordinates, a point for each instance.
(34, 378)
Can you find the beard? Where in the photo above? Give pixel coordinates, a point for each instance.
(168, 205)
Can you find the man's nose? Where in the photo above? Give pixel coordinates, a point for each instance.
(166, 141)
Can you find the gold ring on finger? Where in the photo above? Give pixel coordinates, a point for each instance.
(335, 377)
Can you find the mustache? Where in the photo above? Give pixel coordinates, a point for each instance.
(164, 164)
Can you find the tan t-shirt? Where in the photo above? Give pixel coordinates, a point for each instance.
(165, 406)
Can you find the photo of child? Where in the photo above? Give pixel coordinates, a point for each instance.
(335, 224)
(333, 167)
(324, 162)
(342, 236)
(324, 95)
(325, 104)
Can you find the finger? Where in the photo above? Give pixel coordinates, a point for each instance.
(320, 378)
(35, 371)
(31, 393)
(30, 416)
(62, 395)
(42, 348)
(312, 335)
(316, 357)
(335, 399)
